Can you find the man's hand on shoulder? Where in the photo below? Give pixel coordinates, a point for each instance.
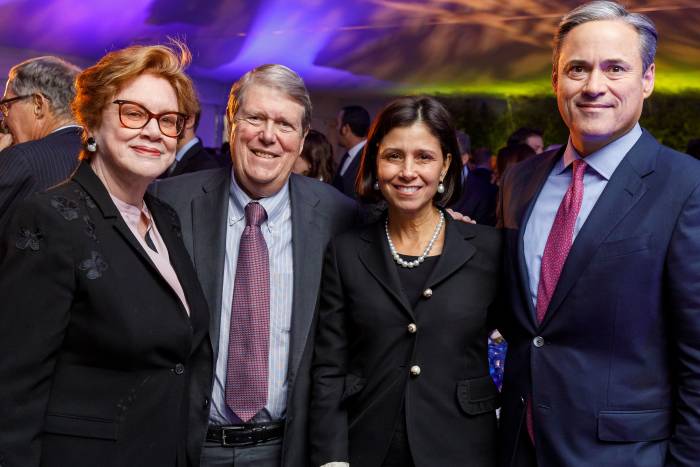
(458, 216)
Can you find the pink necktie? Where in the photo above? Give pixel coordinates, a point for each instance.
(559, 242)
(249, 335)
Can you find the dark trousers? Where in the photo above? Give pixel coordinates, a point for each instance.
(268, 454)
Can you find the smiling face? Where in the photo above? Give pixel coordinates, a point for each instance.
(266, 139)
(600, 83)
(136, 156)
(410, 165)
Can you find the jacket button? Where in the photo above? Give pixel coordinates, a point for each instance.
(538, 341)
(206, 403)
(412, 328)
(415, 370)
(427, 293)
(179, 369)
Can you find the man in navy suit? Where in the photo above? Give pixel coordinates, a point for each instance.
(353, 125)
(42, 146)
(603, 262)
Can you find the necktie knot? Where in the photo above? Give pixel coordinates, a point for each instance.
(579, 169)
(255, 214)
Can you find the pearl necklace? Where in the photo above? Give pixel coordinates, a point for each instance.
(416, 262)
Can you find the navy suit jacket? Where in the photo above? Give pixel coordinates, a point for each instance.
(33, 166)
(616, 379)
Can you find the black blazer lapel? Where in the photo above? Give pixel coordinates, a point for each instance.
(308, 245)
(625, 188)
(456, 251)
(537, 176)
(376, 257)
(92, 185)
(209, 227)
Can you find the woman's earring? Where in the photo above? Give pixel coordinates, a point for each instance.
(376, 185)
(91, 144)
(441, 188)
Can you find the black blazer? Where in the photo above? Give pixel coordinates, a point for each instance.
(364, 352)
(33, 166)
(613, 369)
(103, 366)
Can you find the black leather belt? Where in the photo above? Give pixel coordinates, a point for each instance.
(245, 435)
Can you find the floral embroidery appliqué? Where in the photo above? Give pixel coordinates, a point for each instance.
(89, 227)
(29, 239)
(87, 199)
(94, 265)
(67, 207)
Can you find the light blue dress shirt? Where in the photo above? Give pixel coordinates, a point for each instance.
(277, 232)
(601, 165)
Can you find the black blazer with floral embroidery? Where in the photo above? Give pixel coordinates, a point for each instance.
(100, 363)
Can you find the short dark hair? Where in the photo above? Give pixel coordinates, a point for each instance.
(521, 135)
(357, 118)
(404, 112)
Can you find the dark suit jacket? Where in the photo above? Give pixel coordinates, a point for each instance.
(102, 364)
(617, 379)
(479, 199)
(196, 158)
(319, 212)
(346, 182)
(33, 166)
(364, 352)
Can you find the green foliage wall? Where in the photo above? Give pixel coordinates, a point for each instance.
(673, 119)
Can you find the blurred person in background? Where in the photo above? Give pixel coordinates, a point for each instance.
(530, 136)
(316, 159)
(102, 313)
(511, 155)
(42, 144)
(353, 124)
(191, 155)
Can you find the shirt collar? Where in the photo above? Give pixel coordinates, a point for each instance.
(356, 148)
(606, 159)
(72, 125)
(181, 152)
(274, 205)
(132, 214)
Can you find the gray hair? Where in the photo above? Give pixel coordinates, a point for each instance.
(606, 10)
(275, 76)
(50, 76)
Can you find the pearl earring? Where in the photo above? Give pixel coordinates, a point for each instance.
(376, 185)
(441, 188)
(91, 144)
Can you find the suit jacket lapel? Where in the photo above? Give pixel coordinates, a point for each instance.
(308, 246)
(456, 251)
(209, 227)
(538, 176)
(376, 257)
(625, 188)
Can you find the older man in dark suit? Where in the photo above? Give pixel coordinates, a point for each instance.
(257, 236)
(603, 242)
(43, 143)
